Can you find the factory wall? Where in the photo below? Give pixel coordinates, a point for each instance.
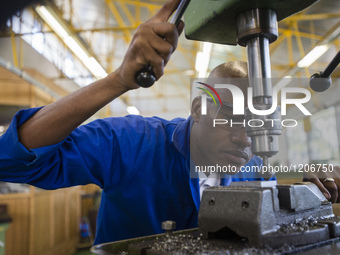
(44, 222)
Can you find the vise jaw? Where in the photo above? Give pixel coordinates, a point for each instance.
(268, 214)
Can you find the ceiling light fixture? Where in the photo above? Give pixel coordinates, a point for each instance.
(51, 19)
(312, 56)
(132, 110)
(70, 39)
(203, 59)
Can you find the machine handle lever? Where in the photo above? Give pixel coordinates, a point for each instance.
(146, 78)
(321, 81)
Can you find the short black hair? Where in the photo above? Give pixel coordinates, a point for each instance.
(12, 7)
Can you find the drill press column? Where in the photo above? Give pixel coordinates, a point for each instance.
(256, 29)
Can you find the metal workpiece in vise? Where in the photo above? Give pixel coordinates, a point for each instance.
(268, 214)
(252, 24)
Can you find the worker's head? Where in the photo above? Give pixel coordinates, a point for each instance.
(224, 144)
(12, 7)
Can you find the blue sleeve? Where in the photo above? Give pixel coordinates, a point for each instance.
(250, 172)
(93, 153)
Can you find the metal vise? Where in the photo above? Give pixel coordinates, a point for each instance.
(268, 214)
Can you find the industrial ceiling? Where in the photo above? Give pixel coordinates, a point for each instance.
(105, 28)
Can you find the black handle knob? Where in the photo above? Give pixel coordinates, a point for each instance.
(145, 77)
(319, 83)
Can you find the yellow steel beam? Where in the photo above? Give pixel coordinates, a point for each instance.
(178, 72)
(127, 12)
(107, 110)
(119, 19)
(301, 34)
(153, 112)
(143, 4)
(138, 13)
(185, 83)
(279, 67)
(14, 50)
(298, 39)
(111, 46)
(151, 97)
(285, 34)
(157, 90)
(318, 16)
(327, 38)
(274, 46)
(107, 28)
(153, 10)
(21, 54)
(300, 45)
(71, 10)
(290, 50)
(80, 30)
(185, 54)
(312, 30)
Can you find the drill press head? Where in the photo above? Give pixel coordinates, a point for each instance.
(253, 25)
(215, 21)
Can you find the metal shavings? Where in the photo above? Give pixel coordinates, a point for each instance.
(181, 244)
(299, 225)
(188, 244)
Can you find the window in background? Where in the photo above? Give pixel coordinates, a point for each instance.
(50, 46)
(323, 138)
(297, 145)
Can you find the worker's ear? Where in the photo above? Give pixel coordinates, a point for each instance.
(196, 109)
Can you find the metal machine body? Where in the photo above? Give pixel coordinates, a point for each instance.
(246, 218)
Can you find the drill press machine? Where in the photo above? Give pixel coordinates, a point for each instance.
(259, 214)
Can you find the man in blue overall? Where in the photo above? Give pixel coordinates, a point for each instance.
(142, 164)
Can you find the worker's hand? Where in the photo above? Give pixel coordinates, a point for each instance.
(328, 183)
(152, 44)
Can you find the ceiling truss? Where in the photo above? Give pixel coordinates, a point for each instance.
(122, 18)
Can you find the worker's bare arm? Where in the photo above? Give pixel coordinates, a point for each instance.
(55, 122)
